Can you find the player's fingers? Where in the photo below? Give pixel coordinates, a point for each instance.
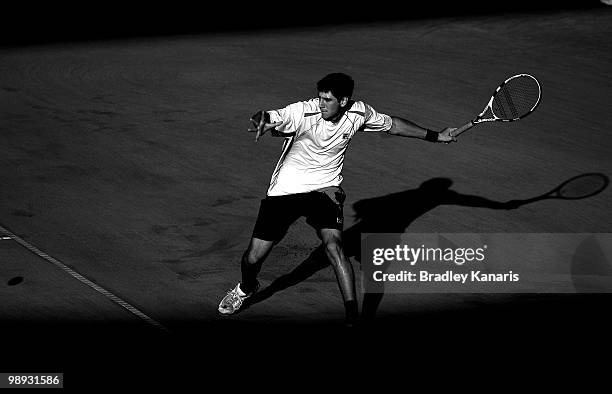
(269, 126)
(449, 135)
(446, 138)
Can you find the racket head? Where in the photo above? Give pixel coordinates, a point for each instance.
(516, 97)
(581, 186)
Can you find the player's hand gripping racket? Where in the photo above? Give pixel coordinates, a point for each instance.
(515, 98)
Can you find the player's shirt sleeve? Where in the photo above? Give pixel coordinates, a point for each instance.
(292, 116)
(375, 121)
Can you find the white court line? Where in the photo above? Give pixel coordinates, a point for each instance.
(81, 278)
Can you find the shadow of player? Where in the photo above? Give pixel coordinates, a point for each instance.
(393, 214)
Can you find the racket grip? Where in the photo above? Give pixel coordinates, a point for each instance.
(463, 128)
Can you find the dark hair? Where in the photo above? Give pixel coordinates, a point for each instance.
(339, 84)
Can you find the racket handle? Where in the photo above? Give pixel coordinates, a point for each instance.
(463, 128)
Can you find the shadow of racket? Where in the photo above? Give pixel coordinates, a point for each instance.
(576, 188)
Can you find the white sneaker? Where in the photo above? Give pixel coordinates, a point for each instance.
(232, 302)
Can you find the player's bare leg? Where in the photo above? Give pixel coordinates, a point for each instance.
(332, 241)
(251, 262)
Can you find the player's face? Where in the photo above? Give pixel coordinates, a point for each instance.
(329, 105)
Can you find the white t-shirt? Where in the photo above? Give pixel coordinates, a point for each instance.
(313, 151)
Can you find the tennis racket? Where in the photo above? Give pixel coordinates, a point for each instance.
(576, 188)
(515, 98)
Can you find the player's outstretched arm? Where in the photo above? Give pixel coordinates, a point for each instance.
(262, 124)
(405, 128)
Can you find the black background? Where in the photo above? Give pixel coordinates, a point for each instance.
(37, 22)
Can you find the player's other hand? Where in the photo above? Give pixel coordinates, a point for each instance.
(260, 126)
(447, 136)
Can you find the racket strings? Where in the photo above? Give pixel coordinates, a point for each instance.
(516, 98)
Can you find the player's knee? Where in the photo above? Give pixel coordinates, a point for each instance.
(251, 257)
(257, 251)
(333, 248)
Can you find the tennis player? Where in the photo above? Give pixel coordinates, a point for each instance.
(307, 178)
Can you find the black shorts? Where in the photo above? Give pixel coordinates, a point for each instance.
(322, 209)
